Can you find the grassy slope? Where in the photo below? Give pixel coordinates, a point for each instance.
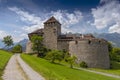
(59, 72)
(4, 57)
(115, 70)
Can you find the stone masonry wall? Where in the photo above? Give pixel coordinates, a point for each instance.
(93, 52)
(63, 45)
(29, 47)
(51, 32)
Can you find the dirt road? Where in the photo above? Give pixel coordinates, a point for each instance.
(17, 69)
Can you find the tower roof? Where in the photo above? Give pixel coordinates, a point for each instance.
(52, 19)
(38, 31)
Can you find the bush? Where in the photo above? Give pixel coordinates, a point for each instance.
(115, 54)
(83, 64)
(71, 60)
(116, 51)
(17, 49)
(54, 55)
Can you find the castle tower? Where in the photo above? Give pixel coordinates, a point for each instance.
(52, 29)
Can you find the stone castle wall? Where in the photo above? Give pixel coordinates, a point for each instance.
(93, 52)
(29, 47)
(63, 45)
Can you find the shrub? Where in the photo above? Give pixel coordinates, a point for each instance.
(17, 49)
(115, 54)
(54, 55)
(83, 64)
(71, 60)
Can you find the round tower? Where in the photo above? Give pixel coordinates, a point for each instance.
(94, 52)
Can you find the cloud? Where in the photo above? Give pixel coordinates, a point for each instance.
(33, 21)
(115, 28)
(3, 34)
(31, 28)
(67, 19)
(15, 36)
(21, 37)
(25, 16)
(107, 16)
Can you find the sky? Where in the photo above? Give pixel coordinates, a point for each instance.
(20, 17)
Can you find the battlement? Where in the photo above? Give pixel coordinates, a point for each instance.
(91, 41)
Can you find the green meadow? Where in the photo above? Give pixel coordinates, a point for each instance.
(60, 72)
(4, 57)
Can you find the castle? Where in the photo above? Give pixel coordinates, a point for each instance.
(86, 48)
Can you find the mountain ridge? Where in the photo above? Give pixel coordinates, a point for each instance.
(114, 38)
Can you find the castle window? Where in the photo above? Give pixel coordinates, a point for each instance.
(89, 42)
(76, 42)
(99, 41)
(54, 30)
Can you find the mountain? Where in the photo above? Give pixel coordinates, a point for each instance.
(1, 44)
(23, 43)
(114, 38)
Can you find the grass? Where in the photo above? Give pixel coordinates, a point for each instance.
(60, 72)
(115, 69)
(4, 57)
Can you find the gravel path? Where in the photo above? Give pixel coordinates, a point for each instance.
(17, 69)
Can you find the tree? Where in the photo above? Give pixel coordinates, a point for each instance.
(8, 41)
(54, 55)
(71, 60)
(83, 64)
(116, 50)
(110, 47)
(17, 48)
(37, 44)
(115, 54)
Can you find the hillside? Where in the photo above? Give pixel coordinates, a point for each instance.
(60, 72)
